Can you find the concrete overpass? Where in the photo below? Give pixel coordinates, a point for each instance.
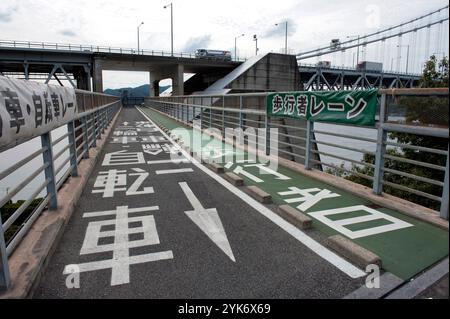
(82, 66)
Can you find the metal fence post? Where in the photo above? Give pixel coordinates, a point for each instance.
(94, 139)
(241, 118)
(210, 112)
(445, 191)
(98, 124)
(309, 136)
(46, 141)
(86, 137)
(5, 279)
(72, 149)
(381, 150)
(267, 124)
(223, 116)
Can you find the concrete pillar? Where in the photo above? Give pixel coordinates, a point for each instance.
(98, 76)
(178, 80)
(155, 77)
(83, 77)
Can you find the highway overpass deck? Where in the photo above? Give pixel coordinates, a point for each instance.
(155, 223)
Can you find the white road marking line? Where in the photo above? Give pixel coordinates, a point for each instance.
(173, 171)
(208, 221)
(325, 253)
(184, 160)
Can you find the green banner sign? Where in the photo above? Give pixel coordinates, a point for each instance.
(348, 107)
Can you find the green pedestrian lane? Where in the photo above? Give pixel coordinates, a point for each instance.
(405, 245)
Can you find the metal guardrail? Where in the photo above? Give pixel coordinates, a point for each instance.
(95, 112)
(347, 68)
(305, 142)
(83, 48)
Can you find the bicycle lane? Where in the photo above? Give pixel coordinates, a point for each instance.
(405, 245)
(149, 226)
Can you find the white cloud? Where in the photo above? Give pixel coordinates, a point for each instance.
(114, 23)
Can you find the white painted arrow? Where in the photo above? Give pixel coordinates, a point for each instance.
(153, 152)
(208, 221)
(239, 170)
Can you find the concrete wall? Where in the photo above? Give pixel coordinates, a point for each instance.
(274, 72)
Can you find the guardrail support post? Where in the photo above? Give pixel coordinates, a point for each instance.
(381, 150)
(94, 139)
(46, 141)
(309, 136)
(223, 116)
(445, 191)
(241, 118)
(85, 138)
(72, 149)
(98, 124)
(5, 280)
(267, 124)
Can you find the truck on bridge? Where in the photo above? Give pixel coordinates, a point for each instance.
(368, 66)
(213, 54)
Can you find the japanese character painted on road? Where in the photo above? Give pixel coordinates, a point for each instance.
(356, 109)
(302, 105)
(111, 181)
(306, 196)
(316, 109)
(38, 109)
(124, 229)
(277, 103)
(155, 149)
(123, 158)
(289, 104)
(13, 107)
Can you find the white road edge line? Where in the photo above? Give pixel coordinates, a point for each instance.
(322, 251)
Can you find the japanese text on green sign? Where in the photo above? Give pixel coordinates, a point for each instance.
(350, 107)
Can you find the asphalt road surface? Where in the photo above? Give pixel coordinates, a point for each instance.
(150, 227)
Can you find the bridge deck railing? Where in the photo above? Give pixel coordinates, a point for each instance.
(353, 69)
(56, 160)
(376, 157)
(92, 49)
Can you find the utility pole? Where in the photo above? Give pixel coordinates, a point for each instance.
(138, 36)
(171, 26)
(256, 41)
(235, 45)
(285, 36)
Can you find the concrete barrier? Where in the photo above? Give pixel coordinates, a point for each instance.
(353, 252)
(295, 216)
(260, 195)
(234, 179)
(215, 167)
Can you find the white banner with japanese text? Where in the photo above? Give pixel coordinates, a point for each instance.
(29, 109)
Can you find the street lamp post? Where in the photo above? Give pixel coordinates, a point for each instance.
(256, 47)
(235, 45)
(171, 26)
(285, 36)
(138, 36)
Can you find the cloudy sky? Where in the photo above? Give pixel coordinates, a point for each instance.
(200, 23)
